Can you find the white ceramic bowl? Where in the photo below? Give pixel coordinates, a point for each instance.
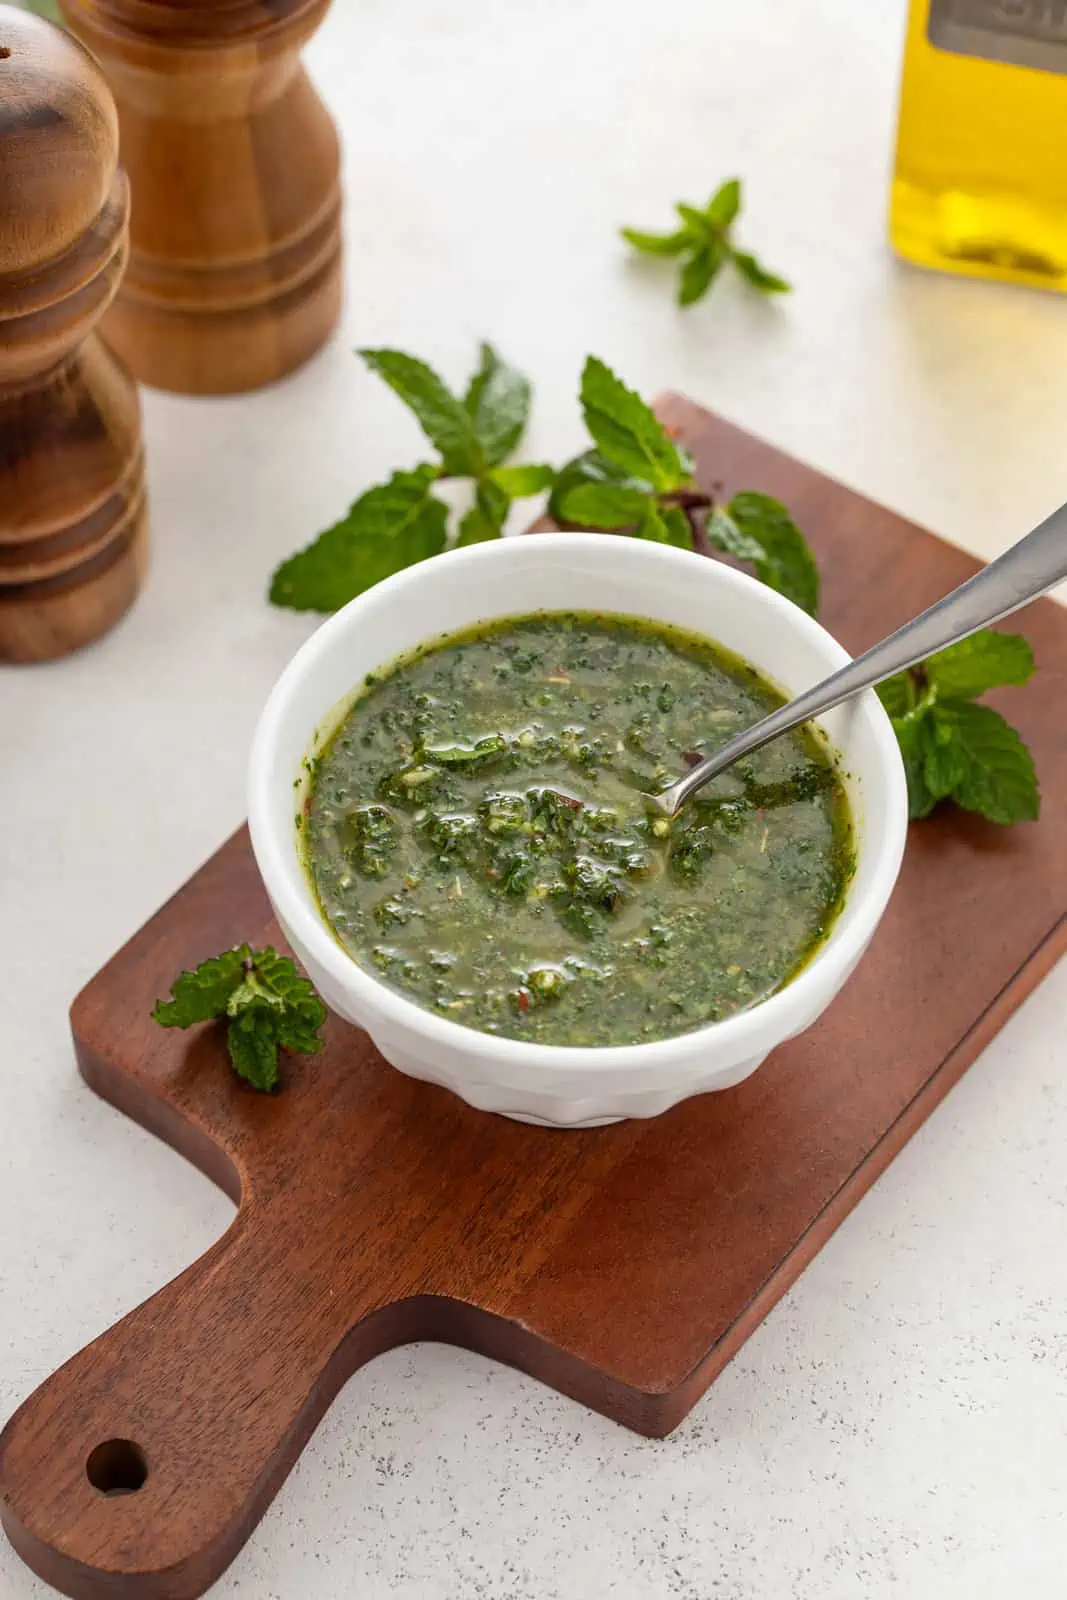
(573, 1086)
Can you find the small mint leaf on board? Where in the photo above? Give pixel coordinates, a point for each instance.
(281, 979)
(660, 244)
(757, 275)
(594, 468)
(627, 431)
(252, 1042)
(606, 505)
(698, 274)
(498, 404)
(267, 1003)
(993, 771)
(987, 660)
(445, 420)
(722, 209)
(486, 517)
(786, 562)
(390, 527)
(203, 994)
(522, 481)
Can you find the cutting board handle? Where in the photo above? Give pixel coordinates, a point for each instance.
(140, 1468)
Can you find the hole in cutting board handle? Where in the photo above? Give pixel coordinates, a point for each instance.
(118, 1466)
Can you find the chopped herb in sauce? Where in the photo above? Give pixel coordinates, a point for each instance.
(476, 834)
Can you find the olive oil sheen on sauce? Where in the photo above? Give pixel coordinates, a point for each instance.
(477, 838)
(980, 185)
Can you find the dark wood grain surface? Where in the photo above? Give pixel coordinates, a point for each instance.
(235, 243)
(622, 1265)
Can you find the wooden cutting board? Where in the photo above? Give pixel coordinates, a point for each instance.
(623, 1265)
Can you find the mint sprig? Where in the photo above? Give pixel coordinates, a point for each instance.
(705, 240)
(636, 479)
(267, 1003)
(398, 523)
(639, 480)
(954, 749)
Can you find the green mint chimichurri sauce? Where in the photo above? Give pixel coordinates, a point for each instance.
(476, 836)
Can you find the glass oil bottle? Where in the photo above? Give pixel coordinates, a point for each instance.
(980, 185)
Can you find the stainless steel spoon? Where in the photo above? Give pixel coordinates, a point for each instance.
(1030, 568)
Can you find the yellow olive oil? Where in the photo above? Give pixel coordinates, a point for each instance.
(980, 185)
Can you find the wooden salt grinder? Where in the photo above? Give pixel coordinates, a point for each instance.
(72, 498)
(235, 256)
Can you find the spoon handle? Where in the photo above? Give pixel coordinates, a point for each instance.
(1030, 568)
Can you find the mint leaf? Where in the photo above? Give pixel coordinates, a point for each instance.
(606, 505)
(266, 1000)
(594, 468)
(652, 526)
(203, 993)
(390, 527)
(725, 535)
(697, 222)
(659, 244)
(993, 771)
(252, 1041)
(757, 275)
(698, 274)
(786, 562)
(956, 750)
(627, 431)
(520, 482)
(445, 420)
(944, 763)
(986, 660)
(897, 694)
(679, 531)
(282, 982)
(724, 205)
(913, 736)
(498, 403)
(486, 517)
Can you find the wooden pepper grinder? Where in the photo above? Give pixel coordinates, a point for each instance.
(235, 258)
(72, 497)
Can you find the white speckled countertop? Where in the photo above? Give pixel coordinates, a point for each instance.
(897, 1426)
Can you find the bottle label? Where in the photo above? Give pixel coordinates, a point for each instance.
(1023, 33)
